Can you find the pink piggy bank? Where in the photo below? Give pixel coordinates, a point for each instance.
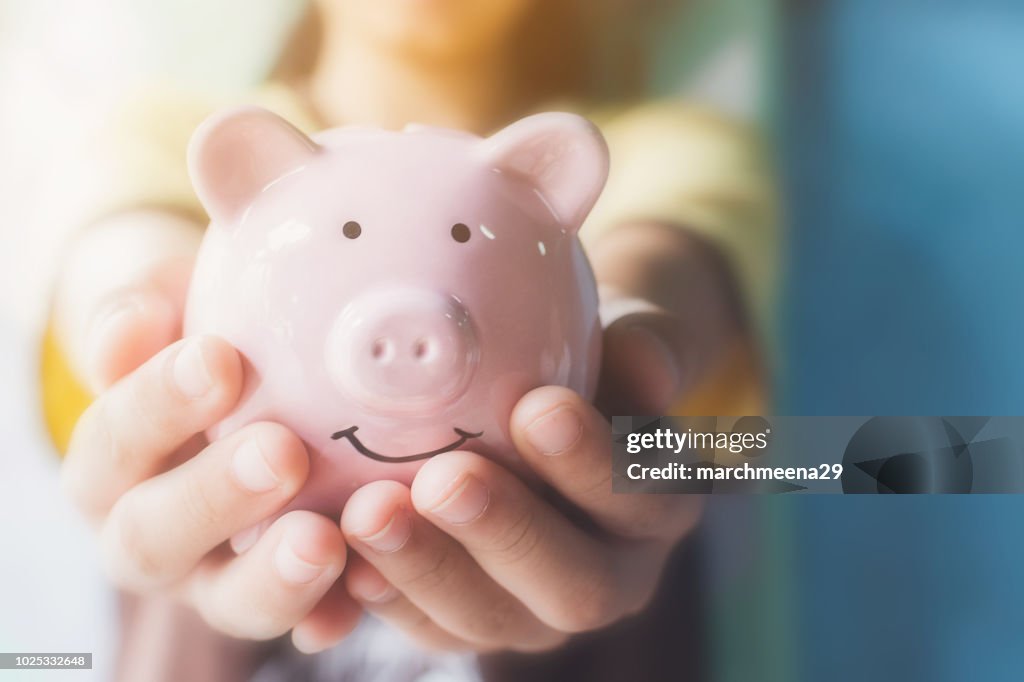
(394, 294)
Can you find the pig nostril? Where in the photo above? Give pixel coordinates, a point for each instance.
(380, 350)
(421, 349)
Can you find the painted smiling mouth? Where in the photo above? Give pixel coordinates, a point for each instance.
(350, 434)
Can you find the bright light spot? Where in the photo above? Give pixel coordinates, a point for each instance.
(287, 233)
(487, 233)
(543, 249)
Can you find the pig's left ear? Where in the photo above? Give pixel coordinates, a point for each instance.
(234, 154)
(563, 155)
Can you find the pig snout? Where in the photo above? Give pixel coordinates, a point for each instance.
(403, 350)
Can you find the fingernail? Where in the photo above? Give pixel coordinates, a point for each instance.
(305, 642)
(383, 594)
(556, 431)
(665, 384)
(190, 372)
(102, 329)
(110, 316)
(293, 568)
(251, 468)
(244, 540)
(392, 537)
(465, 504)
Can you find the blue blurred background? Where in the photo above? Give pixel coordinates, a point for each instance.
(904, 145)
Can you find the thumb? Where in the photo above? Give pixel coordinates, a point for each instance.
(129, 326)
(121, 294)
(646, 363)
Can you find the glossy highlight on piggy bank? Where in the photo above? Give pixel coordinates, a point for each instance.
(394, 294)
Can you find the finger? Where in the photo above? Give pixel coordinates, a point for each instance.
(128, 432)
(646, 362)
(266, 591)
(160, 529)
(563, 575)
(569, 444)
(379, 597)
(434, 571)
(333, 618)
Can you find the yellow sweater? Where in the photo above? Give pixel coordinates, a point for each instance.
(670, 163)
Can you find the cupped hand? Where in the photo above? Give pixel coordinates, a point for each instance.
(163, 499)
(472, 558)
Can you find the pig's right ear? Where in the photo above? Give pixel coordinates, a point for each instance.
(236, 153)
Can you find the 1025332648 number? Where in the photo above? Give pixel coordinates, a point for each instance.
(11, 661)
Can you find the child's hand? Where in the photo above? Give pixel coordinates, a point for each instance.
(471, 558)
(165, 502)
(163, 499)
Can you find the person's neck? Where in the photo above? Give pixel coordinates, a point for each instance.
(358, 83)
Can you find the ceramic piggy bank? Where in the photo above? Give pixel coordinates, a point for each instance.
(394, 294)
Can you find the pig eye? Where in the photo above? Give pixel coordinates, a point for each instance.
(351, 229)
(460, 233)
